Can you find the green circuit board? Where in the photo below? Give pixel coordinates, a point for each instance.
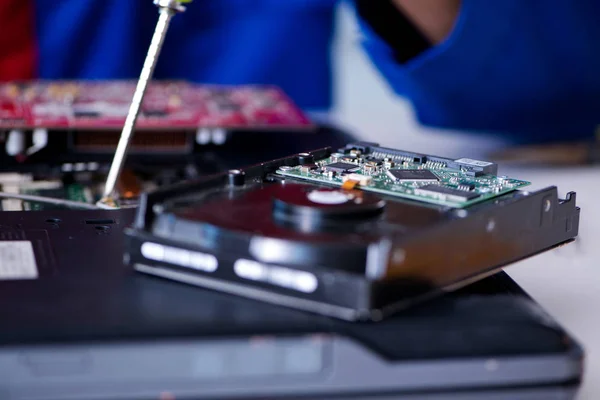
(448, 184)
(72, 192)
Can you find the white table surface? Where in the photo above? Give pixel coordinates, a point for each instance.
(565, 281)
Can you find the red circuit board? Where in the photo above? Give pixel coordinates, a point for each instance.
(103, 105)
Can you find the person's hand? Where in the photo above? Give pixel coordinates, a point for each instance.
(434, 18)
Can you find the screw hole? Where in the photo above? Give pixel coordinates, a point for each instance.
(102, 228)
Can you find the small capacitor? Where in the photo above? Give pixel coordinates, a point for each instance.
(335, 157)
(306, 168)
(369, 168)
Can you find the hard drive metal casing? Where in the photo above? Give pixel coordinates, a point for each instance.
(222, 232)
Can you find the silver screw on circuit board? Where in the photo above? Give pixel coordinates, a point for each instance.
(167, 9)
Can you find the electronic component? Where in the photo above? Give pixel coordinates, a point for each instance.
(446, 193)
(361, 179)
(388, 163)
(412, 175)
(73, 192)
(79, 184)
(343, 244)
(340, 167)
(168, 106)
(476, 166)
(22, 192)
(413, 172)
(306, 168)
(370, 169)
(465, 185)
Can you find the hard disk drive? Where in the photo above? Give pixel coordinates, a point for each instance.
(356, 233)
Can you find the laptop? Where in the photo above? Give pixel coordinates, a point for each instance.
(78, 325)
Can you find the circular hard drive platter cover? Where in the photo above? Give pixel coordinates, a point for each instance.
(285, 210)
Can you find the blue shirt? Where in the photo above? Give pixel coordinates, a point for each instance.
(281, 42)
(529, 69)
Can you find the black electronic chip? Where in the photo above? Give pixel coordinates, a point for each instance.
(447, 193)
(340, 167)
(417, 175)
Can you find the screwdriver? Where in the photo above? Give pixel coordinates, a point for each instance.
(167, 9)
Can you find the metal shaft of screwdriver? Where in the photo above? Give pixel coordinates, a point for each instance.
(116, 167)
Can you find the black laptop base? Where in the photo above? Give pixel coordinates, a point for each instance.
(90, 328)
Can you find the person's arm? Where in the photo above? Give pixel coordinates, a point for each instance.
(435, 19)
(410, 27)
(498, 66)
